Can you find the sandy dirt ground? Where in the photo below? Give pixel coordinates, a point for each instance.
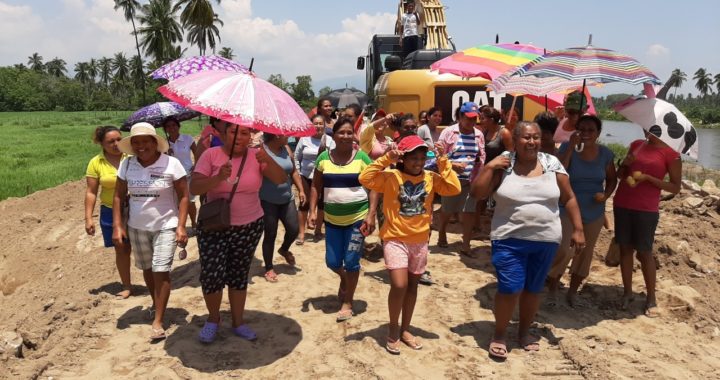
(57, 286)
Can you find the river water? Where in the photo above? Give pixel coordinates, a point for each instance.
(623, 132)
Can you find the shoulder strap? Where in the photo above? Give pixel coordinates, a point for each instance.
(239, 173)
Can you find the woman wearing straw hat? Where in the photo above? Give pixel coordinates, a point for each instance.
(101, 175)
(226, 254)
(156, 190)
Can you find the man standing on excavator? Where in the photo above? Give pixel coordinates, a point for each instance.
(410, 24)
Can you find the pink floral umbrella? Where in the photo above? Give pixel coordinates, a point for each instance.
(240, 98)
(190, 65)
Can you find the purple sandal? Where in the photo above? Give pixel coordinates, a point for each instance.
(208, 332)
(245, 332)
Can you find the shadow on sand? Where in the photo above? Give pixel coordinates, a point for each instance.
(277, 337)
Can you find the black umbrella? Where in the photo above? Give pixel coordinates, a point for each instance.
(341, 98)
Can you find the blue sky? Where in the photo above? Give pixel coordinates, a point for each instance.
(323, 37)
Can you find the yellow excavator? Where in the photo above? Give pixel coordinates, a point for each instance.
(405, 84)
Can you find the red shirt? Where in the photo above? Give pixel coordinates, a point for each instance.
(650, 160)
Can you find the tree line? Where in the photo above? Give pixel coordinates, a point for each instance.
(120, 82)
(702, 109)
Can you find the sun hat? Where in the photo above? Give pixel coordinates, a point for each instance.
(573, 99)
(410, 143)
(142, 129)
(470, 109)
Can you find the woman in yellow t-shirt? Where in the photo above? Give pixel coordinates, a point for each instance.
(101, 175)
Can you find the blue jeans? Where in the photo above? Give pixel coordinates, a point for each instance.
(343, 246)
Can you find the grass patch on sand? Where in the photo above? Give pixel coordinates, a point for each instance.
(45, 149)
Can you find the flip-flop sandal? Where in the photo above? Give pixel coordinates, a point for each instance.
(299, 242)
(122, 295)
(344, 315)
(498, 349)
(393, 346)
(652, 311)
(412, 343)
(271, 276)
(289, 257)
(530, 343)
(157, 334)
(208, 332)
(245, 332)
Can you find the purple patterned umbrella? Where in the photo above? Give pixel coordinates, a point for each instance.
(185, 66)
(157, 112)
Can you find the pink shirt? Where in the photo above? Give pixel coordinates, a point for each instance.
(245, 207)
(651, 161)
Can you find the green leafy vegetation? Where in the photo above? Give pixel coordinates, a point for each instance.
(46, 149)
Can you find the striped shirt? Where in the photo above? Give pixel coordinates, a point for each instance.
(466, 151)
(345, 200)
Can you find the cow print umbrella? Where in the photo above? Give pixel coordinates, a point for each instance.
(663, 120)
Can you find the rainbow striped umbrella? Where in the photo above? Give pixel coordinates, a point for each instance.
(538, 86)
(589, 64)
(487, 61)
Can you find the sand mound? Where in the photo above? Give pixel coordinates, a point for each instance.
(57, 286)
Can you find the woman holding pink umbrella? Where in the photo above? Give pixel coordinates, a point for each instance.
(225, 255)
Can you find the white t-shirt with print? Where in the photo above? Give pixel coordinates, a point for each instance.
(153, 202)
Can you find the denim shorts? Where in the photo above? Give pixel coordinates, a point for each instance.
(522, 264)
(343, 246)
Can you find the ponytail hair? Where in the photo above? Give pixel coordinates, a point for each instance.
(100, 132)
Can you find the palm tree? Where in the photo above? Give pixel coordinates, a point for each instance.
(121, 67)
(35, 61)
(105, 70)
(20, 66)
(93, 69)
(56, 67)
(204, 36)
(137, 72)
(160, 30)
(703, 80)
(129, 9)
(196, 12)
(81, 72)
(679, 77)
(227, 52)
(717, 82)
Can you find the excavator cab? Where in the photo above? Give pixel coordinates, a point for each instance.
(385, 53)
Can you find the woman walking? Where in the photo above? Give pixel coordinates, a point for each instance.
(158, 198)
(278, 204)
(101, 175)
(349, 216)
(528, 188)
(636, 209)
(231, 170)
(593, 180)
(306, 154)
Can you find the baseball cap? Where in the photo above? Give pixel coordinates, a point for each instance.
(410, 143)
(470, 109)
(573, 99)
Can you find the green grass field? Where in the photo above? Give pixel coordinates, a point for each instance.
(39, 150)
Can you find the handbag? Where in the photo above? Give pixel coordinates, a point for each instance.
(612, 257)
(215, 215)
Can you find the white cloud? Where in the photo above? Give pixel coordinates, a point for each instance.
(657, 50)
(283, 47)
(17, 26)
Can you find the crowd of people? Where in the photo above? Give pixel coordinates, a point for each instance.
(543, 184)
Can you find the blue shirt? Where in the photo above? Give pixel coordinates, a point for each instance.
(587, 178)
(278, 194)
